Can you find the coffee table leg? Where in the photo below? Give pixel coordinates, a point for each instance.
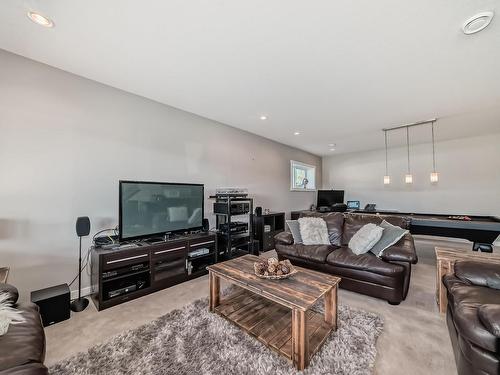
(300, 340)
(331, 307)
(214, 284)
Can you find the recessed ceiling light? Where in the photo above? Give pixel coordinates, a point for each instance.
(263, 117)
(331, 144)
(40, 19)
(332, 149)
(477, 23)
(296, 133)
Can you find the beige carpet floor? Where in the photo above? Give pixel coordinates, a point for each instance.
(415, 339)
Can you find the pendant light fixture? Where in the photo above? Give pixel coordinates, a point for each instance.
(434, 174)
(387, 178)
(408, 176)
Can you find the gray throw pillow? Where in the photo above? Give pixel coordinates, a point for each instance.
(313, 231)
(390, 236)
(294, 227)
(365, 238)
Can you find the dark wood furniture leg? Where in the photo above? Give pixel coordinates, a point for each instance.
(300, 340)
(214, 284)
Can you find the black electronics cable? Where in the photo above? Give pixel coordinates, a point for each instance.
(86, 258)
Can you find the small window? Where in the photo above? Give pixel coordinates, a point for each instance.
(302, 176)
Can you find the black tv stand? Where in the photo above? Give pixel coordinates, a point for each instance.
(132, 270)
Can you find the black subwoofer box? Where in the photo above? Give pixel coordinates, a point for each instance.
(53, 303)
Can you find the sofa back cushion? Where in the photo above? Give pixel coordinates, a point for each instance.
(334, 223)
(353, 222)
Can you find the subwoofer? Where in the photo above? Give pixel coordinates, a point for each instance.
(53, 303)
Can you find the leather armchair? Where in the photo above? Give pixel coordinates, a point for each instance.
(473, 316)
(22, 348)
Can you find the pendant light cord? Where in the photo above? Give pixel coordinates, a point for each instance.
(386, 169)
(408, 146)
(433, 150)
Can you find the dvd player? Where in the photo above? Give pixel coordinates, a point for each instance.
(235, 227)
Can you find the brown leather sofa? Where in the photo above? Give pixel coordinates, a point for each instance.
(22, 348)
(387, 277)
(473, 317)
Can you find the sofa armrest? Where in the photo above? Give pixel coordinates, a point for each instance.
(11, 291)
(401, 251)
(479, 273)
(284, 238)
(489, 315)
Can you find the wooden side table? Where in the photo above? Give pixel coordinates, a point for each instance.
(446, 258)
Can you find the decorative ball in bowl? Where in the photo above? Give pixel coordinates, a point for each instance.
(274, 269)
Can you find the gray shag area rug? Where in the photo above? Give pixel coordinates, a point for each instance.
(192, 340)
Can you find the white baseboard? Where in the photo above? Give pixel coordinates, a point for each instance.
(85, 292)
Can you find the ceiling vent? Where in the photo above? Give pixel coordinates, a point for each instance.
(477, 23)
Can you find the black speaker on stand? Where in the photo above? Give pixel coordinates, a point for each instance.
(82, 229)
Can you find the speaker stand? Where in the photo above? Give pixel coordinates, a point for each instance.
(79, 304)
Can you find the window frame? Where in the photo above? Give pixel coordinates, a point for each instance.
(307, 167)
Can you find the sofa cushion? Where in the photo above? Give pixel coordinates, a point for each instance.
(344, 257)
(25, 341)
(465, 301)
(313, 231)
(479, 273)
(334, 223)
(313, 253)
(489, 315)
(365, 238)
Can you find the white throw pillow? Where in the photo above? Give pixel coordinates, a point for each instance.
(365, 238)
(8, 314)
(313, 231)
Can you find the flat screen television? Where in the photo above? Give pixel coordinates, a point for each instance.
(327, 198)
(149, 209)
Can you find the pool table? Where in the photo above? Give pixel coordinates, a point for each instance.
(481, 230)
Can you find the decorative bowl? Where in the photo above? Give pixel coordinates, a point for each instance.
(272, 269)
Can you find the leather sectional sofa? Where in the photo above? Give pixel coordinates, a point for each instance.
(387, 277)
(473, 317)
(22, 348)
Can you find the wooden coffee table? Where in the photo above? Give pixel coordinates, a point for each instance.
(446, 258)
(277, 312)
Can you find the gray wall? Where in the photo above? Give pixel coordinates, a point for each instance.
(66, 141)
(469, 177)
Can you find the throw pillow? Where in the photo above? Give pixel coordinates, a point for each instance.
(8, 314)
(365, 238)
(294, 227)
(390, 236)
(313, 231)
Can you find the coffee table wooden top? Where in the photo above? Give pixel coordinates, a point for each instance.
(300, 291)
(450, 254)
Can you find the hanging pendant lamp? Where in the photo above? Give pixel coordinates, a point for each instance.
(387, 178)
(434, 174)
(408, 176)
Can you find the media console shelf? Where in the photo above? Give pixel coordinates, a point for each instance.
(130, 271)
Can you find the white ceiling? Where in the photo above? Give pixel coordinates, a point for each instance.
(337, 71)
